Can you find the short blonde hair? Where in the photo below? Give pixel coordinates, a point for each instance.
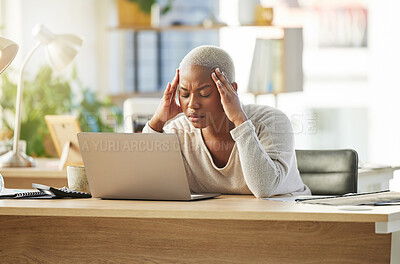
(210, 57)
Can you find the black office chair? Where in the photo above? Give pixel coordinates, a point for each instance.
(329, 171)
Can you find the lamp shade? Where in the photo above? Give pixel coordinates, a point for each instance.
(8, 50)
(60, 49)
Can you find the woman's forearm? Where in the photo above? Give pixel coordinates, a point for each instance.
(263, 172)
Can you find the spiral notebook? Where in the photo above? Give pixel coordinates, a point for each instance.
(28, 193)
(43, 192)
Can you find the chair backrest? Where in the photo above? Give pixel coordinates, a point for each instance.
(329, 171)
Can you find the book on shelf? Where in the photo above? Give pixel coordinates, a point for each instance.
(277, 62)
(293, 60)
(260, 80)
(277, 65)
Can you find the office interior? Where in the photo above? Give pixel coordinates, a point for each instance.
(345, 98)
(349, 95)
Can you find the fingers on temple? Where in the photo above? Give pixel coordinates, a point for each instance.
(174, 94)
(167, 89)
(175, 81)
(224, 79)
(167, 93)
(229, 85)
(216, 80)
(220, 85)
(221, 76)
(171, 87)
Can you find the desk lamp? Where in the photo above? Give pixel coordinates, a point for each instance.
(60, 51)
(8, 50)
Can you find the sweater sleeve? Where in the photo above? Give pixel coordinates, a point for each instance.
(265, 155)
(148, 129)
(171, 126)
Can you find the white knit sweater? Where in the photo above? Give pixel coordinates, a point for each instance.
(262, 162)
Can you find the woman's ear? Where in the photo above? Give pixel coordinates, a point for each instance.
(235, 86)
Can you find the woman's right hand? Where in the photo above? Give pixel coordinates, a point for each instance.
(168, 108)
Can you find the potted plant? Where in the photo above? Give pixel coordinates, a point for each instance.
(48, 94)
(138, 12)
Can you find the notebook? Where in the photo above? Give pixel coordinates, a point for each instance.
(43, 192)
(135, 166)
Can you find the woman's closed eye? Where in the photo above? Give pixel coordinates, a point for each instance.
(186, 95)
(205, 94)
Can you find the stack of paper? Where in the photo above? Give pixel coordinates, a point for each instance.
(375, 198)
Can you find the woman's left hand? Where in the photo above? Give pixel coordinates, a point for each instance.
(229, 98)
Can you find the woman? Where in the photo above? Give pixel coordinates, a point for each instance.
(227, 147)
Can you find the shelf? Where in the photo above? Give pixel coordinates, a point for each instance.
(119, 98)
(194, 28)
(166, 28)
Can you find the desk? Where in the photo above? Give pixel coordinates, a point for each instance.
(227, 229)
(46, 172)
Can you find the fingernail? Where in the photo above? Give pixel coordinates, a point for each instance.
(218, 70)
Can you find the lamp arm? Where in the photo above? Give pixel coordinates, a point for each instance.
(20, 87)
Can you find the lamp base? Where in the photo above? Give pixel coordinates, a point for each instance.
(19, 159)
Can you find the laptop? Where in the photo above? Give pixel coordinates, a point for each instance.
(136, 166)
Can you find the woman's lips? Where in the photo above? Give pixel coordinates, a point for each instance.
(195, 118)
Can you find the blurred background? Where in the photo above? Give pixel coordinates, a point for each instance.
(331, 66)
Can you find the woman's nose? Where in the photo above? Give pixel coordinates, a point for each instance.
(193, 102)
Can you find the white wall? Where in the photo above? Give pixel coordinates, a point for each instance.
(86, 18)
(385, 81)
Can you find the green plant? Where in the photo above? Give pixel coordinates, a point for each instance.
(145, 5)
(48, 94)
(94, 115)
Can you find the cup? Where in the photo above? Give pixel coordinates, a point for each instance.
(77, 180)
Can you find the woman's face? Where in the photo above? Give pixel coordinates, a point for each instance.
(199, 97)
